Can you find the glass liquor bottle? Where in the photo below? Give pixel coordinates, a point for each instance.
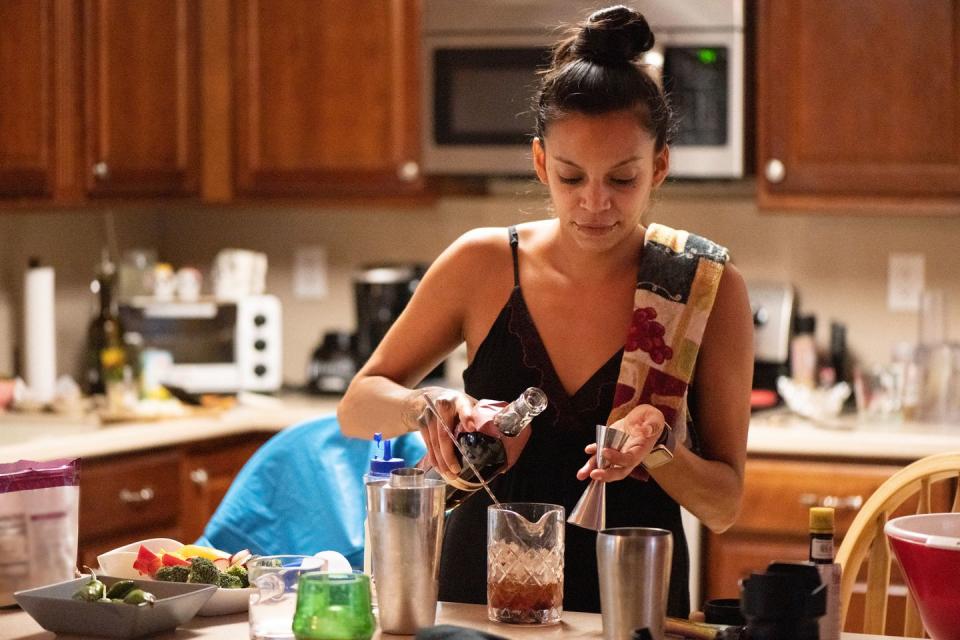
(104, 331)
(484, 447)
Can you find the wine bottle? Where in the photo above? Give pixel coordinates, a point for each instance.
(104, 335)
(484, 448)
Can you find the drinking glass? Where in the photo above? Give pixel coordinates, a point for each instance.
(525, 562)
(334, 606)
(274, 602)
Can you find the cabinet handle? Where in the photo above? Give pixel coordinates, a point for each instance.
(137, 497)
(775, 171)
(840, 503)
(409, 171)
(200, 477)
(101, 170)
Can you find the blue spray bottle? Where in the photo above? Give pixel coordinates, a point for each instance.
(381, 464)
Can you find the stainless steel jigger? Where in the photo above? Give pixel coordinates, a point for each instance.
(591, 509)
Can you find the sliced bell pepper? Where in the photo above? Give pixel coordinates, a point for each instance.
(147, 562)
(171, 560)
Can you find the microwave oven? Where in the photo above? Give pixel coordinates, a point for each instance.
(479, 63)
(216, 346)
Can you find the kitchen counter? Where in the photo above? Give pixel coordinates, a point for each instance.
(777, 432)
(45, 436)
(574, 625)
(780, 432)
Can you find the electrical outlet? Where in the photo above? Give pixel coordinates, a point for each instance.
(310, 273)
(905, 281)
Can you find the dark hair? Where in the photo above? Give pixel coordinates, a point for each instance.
(595, 69)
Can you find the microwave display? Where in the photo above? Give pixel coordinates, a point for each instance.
(695, 78)
(483, 96)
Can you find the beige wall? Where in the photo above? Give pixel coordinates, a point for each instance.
(838, 263)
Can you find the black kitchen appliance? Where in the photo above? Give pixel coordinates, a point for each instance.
(774, 306)
(382, 293)
(333, 363)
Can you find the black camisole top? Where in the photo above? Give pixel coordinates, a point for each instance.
(511, 358)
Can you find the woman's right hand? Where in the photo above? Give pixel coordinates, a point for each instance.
(454, 408)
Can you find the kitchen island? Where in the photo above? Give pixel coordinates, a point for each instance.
(18, 625)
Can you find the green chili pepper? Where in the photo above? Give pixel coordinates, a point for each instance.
(139, 596)
(91, 591)
(120, 589)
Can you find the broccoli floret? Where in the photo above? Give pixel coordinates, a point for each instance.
(203, 571)
(178, 573)
(228, 581)
(240, 572)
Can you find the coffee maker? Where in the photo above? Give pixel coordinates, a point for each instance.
(381, 292)
(774, 306)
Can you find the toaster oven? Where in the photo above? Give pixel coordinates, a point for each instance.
(216, 346)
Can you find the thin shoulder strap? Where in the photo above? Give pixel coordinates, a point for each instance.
(514, 248)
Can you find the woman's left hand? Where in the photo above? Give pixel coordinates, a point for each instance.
(643, 425)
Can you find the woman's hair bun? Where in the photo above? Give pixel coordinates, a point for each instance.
(615, 35)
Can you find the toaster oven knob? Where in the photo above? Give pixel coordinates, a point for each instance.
(260, 370)
(259, 319)
(260, 345)
(775, 171)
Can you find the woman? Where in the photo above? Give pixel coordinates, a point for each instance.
(553, 304)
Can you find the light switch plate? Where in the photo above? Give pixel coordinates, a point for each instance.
(905, 281)
(310, 273)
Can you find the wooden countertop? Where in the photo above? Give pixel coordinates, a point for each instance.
(46, 436)
(20, 626)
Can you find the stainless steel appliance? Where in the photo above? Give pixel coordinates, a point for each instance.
(774, 306)
(479, 77)
(216, 346)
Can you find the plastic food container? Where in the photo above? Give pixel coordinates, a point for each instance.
(928, 548)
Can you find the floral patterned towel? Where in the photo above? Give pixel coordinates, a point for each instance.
(676, 286)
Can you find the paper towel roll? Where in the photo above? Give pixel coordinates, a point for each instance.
(39, 333)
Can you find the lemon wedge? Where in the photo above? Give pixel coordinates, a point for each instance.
(196, 551)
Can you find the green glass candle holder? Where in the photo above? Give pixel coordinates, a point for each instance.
(334, 606)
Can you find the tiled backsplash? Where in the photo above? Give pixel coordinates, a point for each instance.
(838, 263)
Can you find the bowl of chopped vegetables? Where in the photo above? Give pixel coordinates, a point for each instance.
(167, 560)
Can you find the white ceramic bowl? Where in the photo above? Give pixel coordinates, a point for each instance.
(227, 601)
(119, 562)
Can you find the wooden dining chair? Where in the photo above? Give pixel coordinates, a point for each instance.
(865, 539)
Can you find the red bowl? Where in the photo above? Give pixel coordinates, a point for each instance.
(928, 549)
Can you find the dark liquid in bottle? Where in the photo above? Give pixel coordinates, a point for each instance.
(486, 453)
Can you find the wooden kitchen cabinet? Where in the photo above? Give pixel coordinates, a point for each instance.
(99, 99)
(326, 97)
(141, 97)
(167, 493)
(858, 105)
(33, 62)
(773, 523)
(207, 470)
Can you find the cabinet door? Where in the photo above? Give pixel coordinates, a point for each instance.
(127, 498)
(141, 97)
(27, 104)
(208, 472)
(326, 96)
(859, 103)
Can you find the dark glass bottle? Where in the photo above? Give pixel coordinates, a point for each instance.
(105, 350)
(821, 535)
(486, 452)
